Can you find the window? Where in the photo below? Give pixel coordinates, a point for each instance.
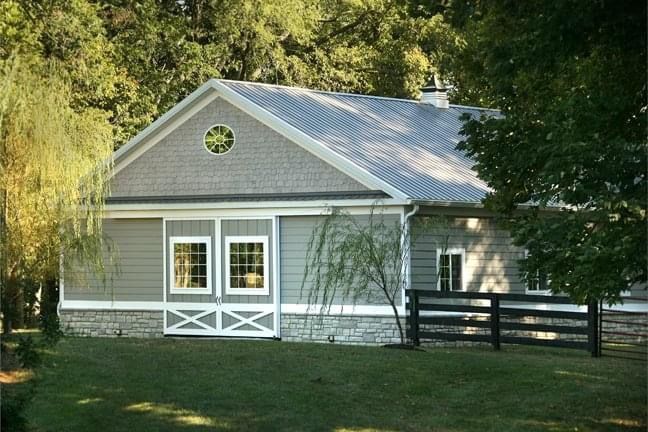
(246, 265)
(450, 267)
(190, 265)
(219, 139)
(538, 284)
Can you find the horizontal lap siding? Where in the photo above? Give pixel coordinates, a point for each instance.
(295, 233)
(491, 260)
(138, 274)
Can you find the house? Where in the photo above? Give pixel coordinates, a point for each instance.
(212, 207)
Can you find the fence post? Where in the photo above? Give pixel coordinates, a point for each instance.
(593, 328)
(414, 316)
(495, 321)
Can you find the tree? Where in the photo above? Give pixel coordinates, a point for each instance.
(52, 178)
(353, 257)
(570, 78)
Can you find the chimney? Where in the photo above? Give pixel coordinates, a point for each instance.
(434, 93)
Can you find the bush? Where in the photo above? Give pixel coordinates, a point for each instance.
(51, 328)
(26, 352)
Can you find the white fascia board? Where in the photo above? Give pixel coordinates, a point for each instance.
(287, 208)
(308, 143)
(139, 147)
(160, 121)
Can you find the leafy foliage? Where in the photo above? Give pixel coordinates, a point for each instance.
(52, 177)
(27, 353)
(571, 81)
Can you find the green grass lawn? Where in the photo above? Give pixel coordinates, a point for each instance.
(193, 385)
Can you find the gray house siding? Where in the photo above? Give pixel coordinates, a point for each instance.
(295, 233)
(248, 227)
(137, 247)
(491, 260)
(181, 228)
(260, 162)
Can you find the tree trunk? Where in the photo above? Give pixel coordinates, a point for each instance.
(10, 307)
(398, 323)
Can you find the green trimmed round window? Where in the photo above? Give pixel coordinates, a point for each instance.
(219, 139)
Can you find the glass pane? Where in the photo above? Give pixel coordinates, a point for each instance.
(202, 248)
(258, 247)
(194, 247)
(243, 259)
(234, 248)
(234, 282)
(259, 270)
(445, 285)
(241, 282)
(202, 258)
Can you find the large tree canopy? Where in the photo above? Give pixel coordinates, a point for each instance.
(570, 78)
(136, 59)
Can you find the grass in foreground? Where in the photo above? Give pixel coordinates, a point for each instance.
(194, 385)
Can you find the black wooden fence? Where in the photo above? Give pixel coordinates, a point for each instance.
(497, 321)
(624, 332)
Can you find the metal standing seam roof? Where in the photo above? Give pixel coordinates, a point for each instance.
(409, 145)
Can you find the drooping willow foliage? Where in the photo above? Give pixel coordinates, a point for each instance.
(53, 173)
(352, 258)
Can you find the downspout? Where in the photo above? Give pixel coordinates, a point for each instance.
(407, 239)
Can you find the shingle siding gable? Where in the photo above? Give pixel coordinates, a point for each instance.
(262, 161)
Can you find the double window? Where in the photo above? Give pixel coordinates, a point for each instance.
(246, 265)
(450, 268)
(190, 265)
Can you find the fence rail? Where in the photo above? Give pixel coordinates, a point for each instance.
(624, 333)
(495, 330)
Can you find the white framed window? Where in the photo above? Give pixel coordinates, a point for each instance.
(539, 284)
(246, 265)
(451, 269)
(190, 265)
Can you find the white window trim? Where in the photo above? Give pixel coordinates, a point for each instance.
(526, 283)
(266, 266)
(452, 251)
(205, 136)
(189, 239)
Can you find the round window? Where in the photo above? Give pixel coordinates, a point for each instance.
(219, 139)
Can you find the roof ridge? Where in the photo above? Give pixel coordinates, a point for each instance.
(320, 91)
(475, 107)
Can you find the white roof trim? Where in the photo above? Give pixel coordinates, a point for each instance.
(161, 121)
(311, 145)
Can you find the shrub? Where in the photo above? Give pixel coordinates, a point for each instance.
(50, 326)
(26, 352)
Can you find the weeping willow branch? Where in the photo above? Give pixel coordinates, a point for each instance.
(350, 258)
(51, 174)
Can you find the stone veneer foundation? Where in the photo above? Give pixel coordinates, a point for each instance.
(103, 323)
(350, 330)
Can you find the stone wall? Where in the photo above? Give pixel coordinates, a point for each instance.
(349, 330)
(109, 323)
